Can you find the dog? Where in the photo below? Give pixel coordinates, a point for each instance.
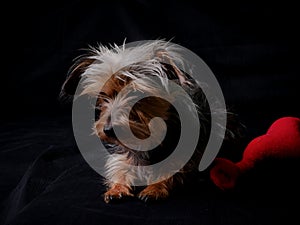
(106, 71)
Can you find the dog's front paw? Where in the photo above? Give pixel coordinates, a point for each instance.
(117, 192)
(154, 192)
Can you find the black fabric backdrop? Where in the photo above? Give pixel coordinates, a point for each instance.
(252, 50)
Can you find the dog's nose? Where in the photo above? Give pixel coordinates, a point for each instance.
(109, 131)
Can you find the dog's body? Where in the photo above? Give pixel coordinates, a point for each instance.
(106, 73)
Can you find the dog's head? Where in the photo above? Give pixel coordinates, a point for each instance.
(118, 76)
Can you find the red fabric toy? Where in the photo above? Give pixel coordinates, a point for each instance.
(282, 140)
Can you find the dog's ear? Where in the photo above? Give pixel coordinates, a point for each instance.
(173, 71)
(74, 76)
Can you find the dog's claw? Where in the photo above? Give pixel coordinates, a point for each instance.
(141, 197)
(144, 198)
(106, 199)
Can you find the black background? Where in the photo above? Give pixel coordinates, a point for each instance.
(251, 48)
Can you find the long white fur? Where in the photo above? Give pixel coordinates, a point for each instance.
(109, 61)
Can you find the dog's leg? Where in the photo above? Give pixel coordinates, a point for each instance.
(158, 191)
(162, 189)
(119, 178)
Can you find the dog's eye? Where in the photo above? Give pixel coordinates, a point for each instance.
(104, 97)
(97, 112)
(106, 100)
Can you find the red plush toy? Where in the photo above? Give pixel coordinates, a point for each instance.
(282, 140)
